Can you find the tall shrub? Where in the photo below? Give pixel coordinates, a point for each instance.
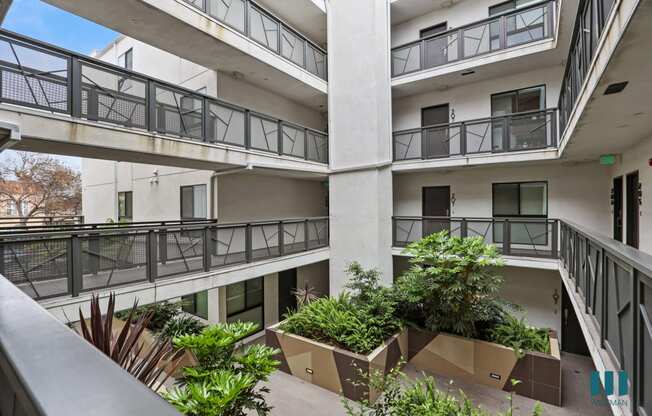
(452, 285)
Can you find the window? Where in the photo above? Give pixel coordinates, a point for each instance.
(11, 209)
(196, 304)
(126, 60)
(518, 101)
(508, 5)
(125, 206)
(245, 302)
(433, 30)
(525, 199)
(193, 201)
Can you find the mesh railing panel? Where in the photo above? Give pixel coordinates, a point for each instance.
(264, 133)
(178, 113)
(226, 124)
(229, 246)
(294, 140)
(231, 12)
(294, 237)
(315, 61)
(182, 253)
(264, 241)
(292, 47)
(263, 29)
(317, 147)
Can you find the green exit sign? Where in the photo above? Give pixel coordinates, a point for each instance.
(607, 160)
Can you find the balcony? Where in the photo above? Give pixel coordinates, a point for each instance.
(44, 77)
(263, 27)
(519, 132)
(56, 261)
(515, 28)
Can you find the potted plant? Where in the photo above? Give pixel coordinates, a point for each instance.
(459, 327)
(333, 342)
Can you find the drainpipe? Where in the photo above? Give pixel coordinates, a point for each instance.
(213, 185)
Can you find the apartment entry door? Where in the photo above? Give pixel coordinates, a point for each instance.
(436, 202)
(436, 142)
(631, 199)
(618, 208)
(572, 338)
(287, 283)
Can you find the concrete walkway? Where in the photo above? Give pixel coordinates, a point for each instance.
(291, 396)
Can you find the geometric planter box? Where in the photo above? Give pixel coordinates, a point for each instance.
(333, 368)
(488, 363)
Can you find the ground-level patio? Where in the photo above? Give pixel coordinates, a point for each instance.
(291, 396)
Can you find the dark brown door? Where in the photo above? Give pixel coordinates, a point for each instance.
(618, 208)
(436, 141)
(436, 203)
(435, 47)
(572, 339)
(287, 283)
(631, 199)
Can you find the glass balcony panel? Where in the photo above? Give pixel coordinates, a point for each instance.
(113, 97)
(231, 12)
(407, 145)
(263, 29)
(264, 133)
(315, 61)
(528, 26)
(478, 137)
(292, 47)
(225, 124)
(293, 141)
(406, 59)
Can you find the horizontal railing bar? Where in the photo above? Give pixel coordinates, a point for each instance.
(474, 24)
(477, 120)
(487, 219)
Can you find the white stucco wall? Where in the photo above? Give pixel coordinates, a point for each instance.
(577, 192)
(637, 159)
(473, 100)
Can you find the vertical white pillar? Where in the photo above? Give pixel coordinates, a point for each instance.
(270, 303)
(360, 137)
(214, 305)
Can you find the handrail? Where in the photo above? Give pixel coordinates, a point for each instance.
(39, 355)
(245, 29)
(62, 81)
(457, 48)
(31, 229)
(505, 133)
(68, 262)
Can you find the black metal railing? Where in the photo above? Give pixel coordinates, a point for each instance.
(6, 222)
(514, 132)
(54, 262)
(34, 347)
(261, 26)
(521, 26)
(592, 16)
(614, 284)
(38, 75)
(531, 237)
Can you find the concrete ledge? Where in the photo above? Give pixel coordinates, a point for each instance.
(511, 261)
(67, 308)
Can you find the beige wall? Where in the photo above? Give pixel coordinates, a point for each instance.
(315, 276)
(577, 192)
(247, 197)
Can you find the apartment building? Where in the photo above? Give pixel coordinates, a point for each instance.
(523, 122)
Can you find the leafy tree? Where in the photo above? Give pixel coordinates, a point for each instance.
(42, 184)
(452, 285)
(225, 380)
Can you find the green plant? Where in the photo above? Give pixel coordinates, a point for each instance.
(127, 349)
(514, 332)
(359, 321)
(452, 285)
(181, 325)
(225, 380)
(402, 396)
(161, 313)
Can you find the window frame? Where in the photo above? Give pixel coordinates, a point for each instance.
(517, 91)
(193, 217)
(128, 207)
(519, 215)
(230, 314)
(431, 27)
(128, 53)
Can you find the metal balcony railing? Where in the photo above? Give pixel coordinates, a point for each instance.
(521, 26)
(614, 284)
(590, 22)
(40, 220)
(264, 28)
(38, 75)
(513, 236)
(51, 261)
(514, 132)
(39, 355)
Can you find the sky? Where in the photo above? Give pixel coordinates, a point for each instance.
(41, 21)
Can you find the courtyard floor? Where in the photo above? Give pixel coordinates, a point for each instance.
(291, 396)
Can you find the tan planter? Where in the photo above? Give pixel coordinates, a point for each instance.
(333, 368)
(487, 363)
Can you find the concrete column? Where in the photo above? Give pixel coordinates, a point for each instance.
(222, 303)
(270, 304)
(360, 137)
(214, 306)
